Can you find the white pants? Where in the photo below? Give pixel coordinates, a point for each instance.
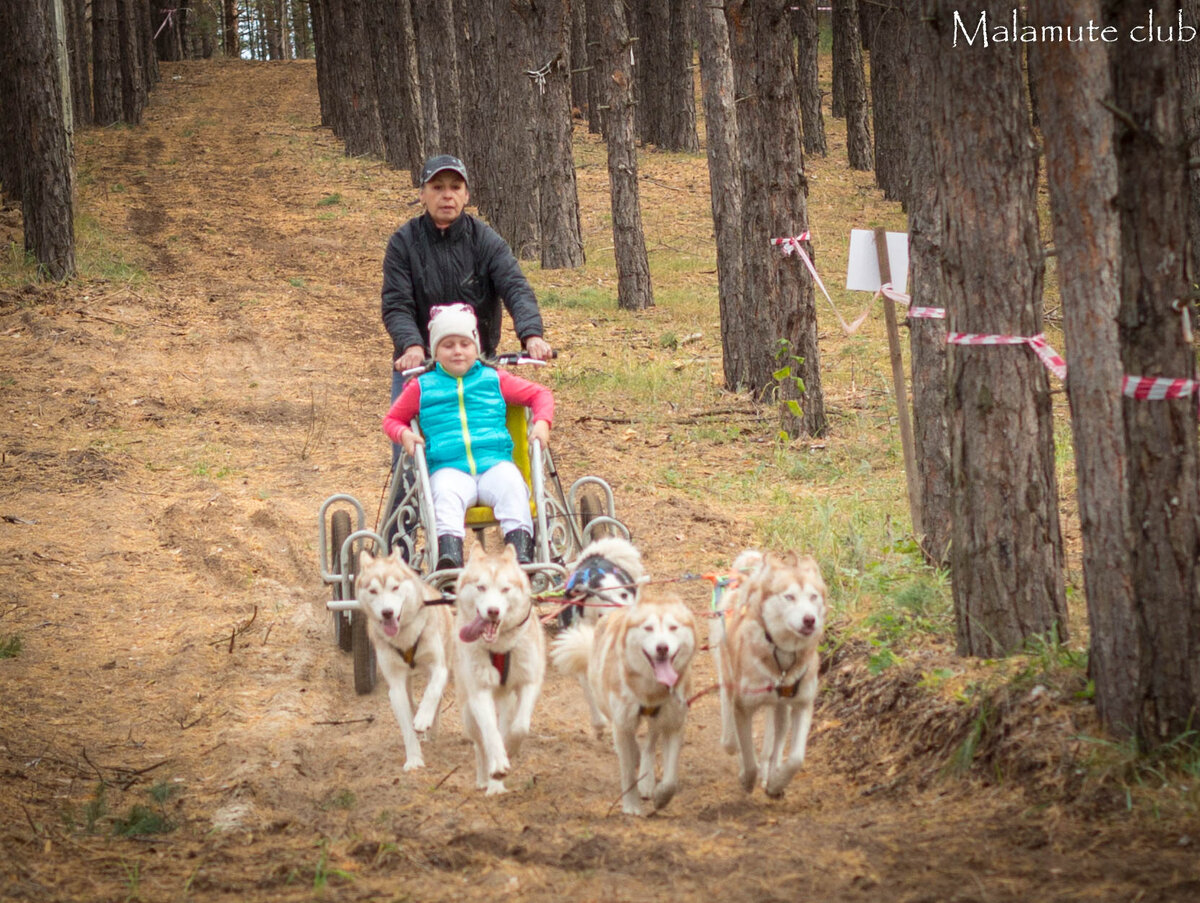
(502, 488)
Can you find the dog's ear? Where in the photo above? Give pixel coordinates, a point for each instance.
(476, 551)
(365, 557)
(397, 555)
(510, 553)
(428, 593)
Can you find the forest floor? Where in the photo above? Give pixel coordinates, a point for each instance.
(175, 721)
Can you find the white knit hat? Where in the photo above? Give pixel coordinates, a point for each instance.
(452, 319)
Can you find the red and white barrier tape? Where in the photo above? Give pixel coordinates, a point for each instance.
(1048, 355)
(888, 291)
(791, 244)
(1150, 388)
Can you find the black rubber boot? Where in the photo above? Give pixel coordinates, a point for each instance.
(450, 552)
(522, 542)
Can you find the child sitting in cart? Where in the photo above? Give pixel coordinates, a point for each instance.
(462, 407)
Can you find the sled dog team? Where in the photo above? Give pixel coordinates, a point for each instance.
(631, 655)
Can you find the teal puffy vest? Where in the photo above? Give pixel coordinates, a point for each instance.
(462, 419)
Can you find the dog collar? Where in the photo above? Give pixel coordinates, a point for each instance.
(649, 711)
(409, 656)
(788, 691)
(775, 655)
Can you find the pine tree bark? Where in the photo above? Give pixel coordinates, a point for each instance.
(302, 28)
(578, 61)
(1161, 436)
(720, 124)
(106, 62)
(1189, 53)
(547, 26)
(928, 288)
(399, 101)
(38, 136)
(808, 78)
(1074, 84)
(1006, 554)
(778, 292)
(133, 58)
(665, 113)
(79, 50)
(889, 67)
(429, 47)
(514, 210)
(364, 132)
(633, 267)
(230, 43)
(597, 90)
(479, 83)
(839, 60)
(854, 87)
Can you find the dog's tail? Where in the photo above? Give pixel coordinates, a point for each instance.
(570, 650)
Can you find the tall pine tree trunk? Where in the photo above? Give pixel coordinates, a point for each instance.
(808, 39)
(928, 287)
(106, 62)
(720, 123)
(514, 200)
(1074, 84)
(890, 66)
(399, 102)
(230, 43)
(854, 87)
(79, 48)
(547, 23)
(629, 243)
(38, 135)
(1006, 554)
(1161, 442)
(778, 291)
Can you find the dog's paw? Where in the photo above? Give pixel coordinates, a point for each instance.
(500, 769)
(495, 788)
(413, 763)
(631, 808)
(749, 778)
(422, 723)
(778, 781)
(512, 744)
(663, 794)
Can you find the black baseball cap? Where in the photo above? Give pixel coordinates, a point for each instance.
(437, 164)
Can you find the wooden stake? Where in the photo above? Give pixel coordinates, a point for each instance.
(906, 433)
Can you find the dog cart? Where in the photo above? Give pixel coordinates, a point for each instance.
(564, 522)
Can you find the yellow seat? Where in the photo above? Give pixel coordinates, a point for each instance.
(481, 516)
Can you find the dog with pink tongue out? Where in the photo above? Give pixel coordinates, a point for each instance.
(500, 660)
(638, 665)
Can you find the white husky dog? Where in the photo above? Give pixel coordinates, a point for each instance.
(637, 662)
(408, 636)
(606, 576)
(766, 657)
(500, 661)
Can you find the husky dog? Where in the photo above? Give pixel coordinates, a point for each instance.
(637, 661)
(606, 575)
(500, 660)
(408, 636)
(766, 657)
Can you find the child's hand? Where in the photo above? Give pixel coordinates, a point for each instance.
(541, 432)
(409, 440)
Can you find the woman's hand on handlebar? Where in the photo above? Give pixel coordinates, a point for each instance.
(413, 356)
(538, 348)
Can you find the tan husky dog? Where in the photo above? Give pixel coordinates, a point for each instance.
(637, 661)
(766, 657)
(408, 636)
(500, 661)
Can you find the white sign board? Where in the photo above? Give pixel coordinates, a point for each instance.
(862, 270)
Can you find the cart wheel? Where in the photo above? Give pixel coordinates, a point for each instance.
(364, 654)
(590, 508)
(340, 529)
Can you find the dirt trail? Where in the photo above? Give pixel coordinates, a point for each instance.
(166, 445)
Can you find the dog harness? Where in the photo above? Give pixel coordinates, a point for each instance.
(501, 660)
(409, 656)
(784, 691)
(585, 580)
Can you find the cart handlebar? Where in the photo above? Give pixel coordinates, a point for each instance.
(507, 359)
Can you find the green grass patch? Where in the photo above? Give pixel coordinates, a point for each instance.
(330, 200)
(10, 645)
